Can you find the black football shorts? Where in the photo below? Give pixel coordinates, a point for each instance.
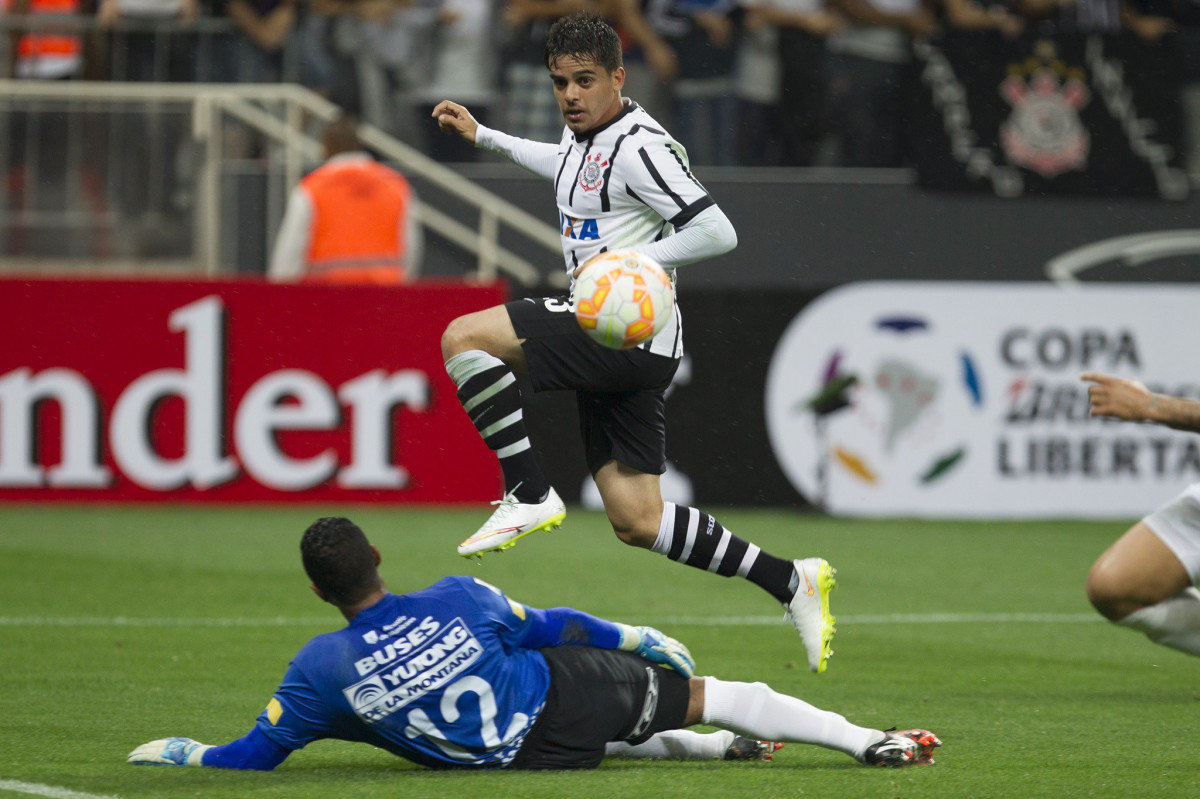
(597, 696)
(621, 393)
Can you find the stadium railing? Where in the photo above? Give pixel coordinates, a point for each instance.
(117, 177)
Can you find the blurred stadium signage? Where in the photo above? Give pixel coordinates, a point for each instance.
(1063, 114)
(964, 399)
(164, 390)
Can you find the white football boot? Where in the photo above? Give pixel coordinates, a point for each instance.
(809, 610)
(513, 520)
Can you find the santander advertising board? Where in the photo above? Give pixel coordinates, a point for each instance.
(236, 391)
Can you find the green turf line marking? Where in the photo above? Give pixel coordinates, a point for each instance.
(47, 790)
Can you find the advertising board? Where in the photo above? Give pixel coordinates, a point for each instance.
(235, 391)
(966, 398)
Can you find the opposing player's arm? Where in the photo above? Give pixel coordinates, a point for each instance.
(1130, 400)
(568, 626)
(294, 717)
(537, 628)
(253, 751)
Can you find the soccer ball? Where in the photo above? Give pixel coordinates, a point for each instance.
(623, 299)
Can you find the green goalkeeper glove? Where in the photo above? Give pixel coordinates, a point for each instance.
(657, 647)
(168, 752)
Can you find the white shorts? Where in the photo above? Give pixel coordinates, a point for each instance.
(1177, 523)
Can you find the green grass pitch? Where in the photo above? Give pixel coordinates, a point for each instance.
(119, 625)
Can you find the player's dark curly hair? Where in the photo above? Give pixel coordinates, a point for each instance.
(338, 559)
(585, 36)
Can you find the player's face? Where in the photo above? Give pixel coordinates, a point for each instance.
(588, 95)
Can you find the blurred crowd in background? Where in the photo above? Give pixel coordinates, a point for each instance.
(743, 82)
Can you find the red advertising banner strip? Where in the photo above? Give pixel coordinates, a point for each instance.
(140, 390)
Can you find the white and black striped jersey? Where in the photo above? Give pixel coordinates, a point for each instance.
(621, 186)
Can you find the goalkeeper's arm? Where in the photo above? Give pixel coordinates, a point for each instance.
(253, 751)
(568, 626)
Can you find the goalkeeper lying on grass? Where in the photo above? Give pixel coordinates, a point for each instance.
(460, 675)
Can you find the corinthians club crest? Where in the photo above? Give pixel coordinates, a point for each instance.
(591, 177)
(1044, 133)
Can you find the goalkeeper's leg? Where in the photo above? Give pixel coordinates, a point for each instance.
(757, 711)
(673, 745)
(689, 745)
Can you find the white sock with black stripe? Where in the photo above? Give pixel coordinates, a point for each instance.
(489, 394)
(693, 538)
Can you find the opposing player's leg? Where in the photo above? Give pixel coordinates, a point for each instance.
(756, 711)
(1145, 581)
(1136, 572)
(481, 352)
(635, 508)
(539, 337)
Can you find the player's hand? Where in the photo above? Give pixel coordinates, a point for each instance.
(168, 752)
(1116, 397)
(658, 647)
(454, 118)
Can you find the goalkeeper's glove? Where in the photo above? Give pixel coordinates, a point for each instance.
(169, 752)
(657, 647)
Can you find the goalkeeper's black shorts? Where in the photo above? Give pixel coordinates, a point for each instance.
(597, 696)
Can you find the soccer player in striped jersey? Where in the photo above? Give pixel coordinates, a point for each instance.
(621, 182)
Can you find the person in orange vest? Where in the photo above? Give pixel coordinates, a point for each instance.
(40, 171)
(45, 54)
(351, 220)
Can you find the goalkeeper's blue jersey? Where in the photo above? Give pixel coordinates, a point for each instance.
(436, 676)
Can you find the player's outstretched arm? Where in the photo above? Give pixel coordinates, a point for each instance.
(1130, 400)
(657, 647)
(253, 751)
(540, 158)
(567, 626)
(169, 752)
